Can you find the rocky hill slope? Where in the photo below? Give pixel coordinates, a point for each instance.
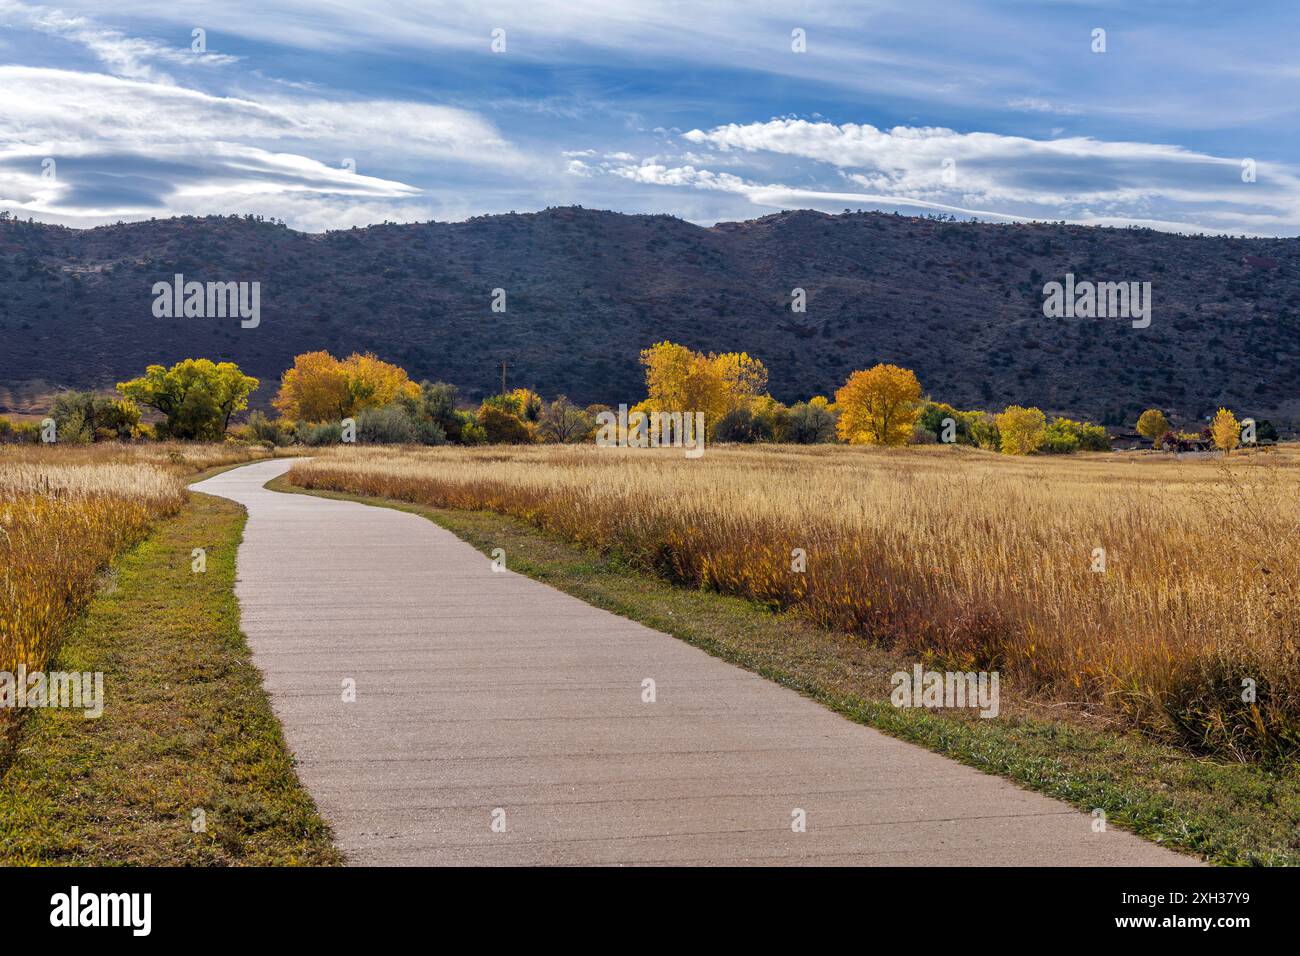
(585, 291)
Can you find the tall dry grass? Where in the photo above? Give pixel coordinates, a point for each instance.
(65, 511)
(954, 556)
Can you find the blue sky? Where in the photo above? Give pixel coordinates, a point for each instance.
(1000, 110)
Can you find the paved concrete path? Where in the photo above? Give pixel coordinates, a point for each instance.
(481, 692)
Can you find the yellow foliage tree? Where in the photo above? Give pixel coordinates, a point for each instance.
(374, 383)
(879, 406)
(529, 403)
(667, 369)
(1022, 430)
(1226, 430)
(315, 389)
(745, 378)
(681, 380)
(1153, 425)
(319, 387)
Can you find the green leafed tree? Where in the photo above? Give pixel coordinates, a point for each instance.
(83, 417)
(809, 424)
(564, 422)
(196, 397)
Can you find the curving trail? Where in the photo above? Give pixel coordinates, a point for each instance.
(479, 691)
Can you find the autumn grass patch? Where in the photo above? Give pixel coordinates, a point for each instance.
(1230, 812)
(65, 512)
(187, 765)
(1157, 594)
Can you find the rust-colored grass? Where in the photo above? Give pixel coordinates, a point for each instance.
(959, 557)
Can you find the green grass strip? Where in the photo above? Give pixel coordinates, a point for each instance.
(186, 726)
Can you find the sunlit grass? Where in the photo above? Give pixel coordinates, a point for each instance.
(186, 726)
(957, 557)
(65, 511)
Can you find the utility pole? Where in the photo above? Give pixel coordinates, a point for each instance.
(503, 378)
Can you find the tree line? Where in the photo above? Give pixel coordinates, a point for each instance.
(323, 400)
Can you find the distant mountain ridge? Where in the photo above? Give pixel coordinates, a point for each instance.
(585, 291)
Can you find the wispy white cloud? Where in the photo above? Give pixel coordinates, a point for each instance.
(42, 106)
(782, 196)
(181, 147)
(158, 129)
(133, 57)
(1181, 70)
(993, 175)
(753, 35)
(1035, 104)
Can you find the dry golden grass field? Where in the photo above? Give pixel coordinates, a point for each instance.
(65, 512)
(954, 556)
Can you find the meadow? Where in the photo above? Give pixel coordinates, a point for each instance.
(65, 513)
(1153, 593)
